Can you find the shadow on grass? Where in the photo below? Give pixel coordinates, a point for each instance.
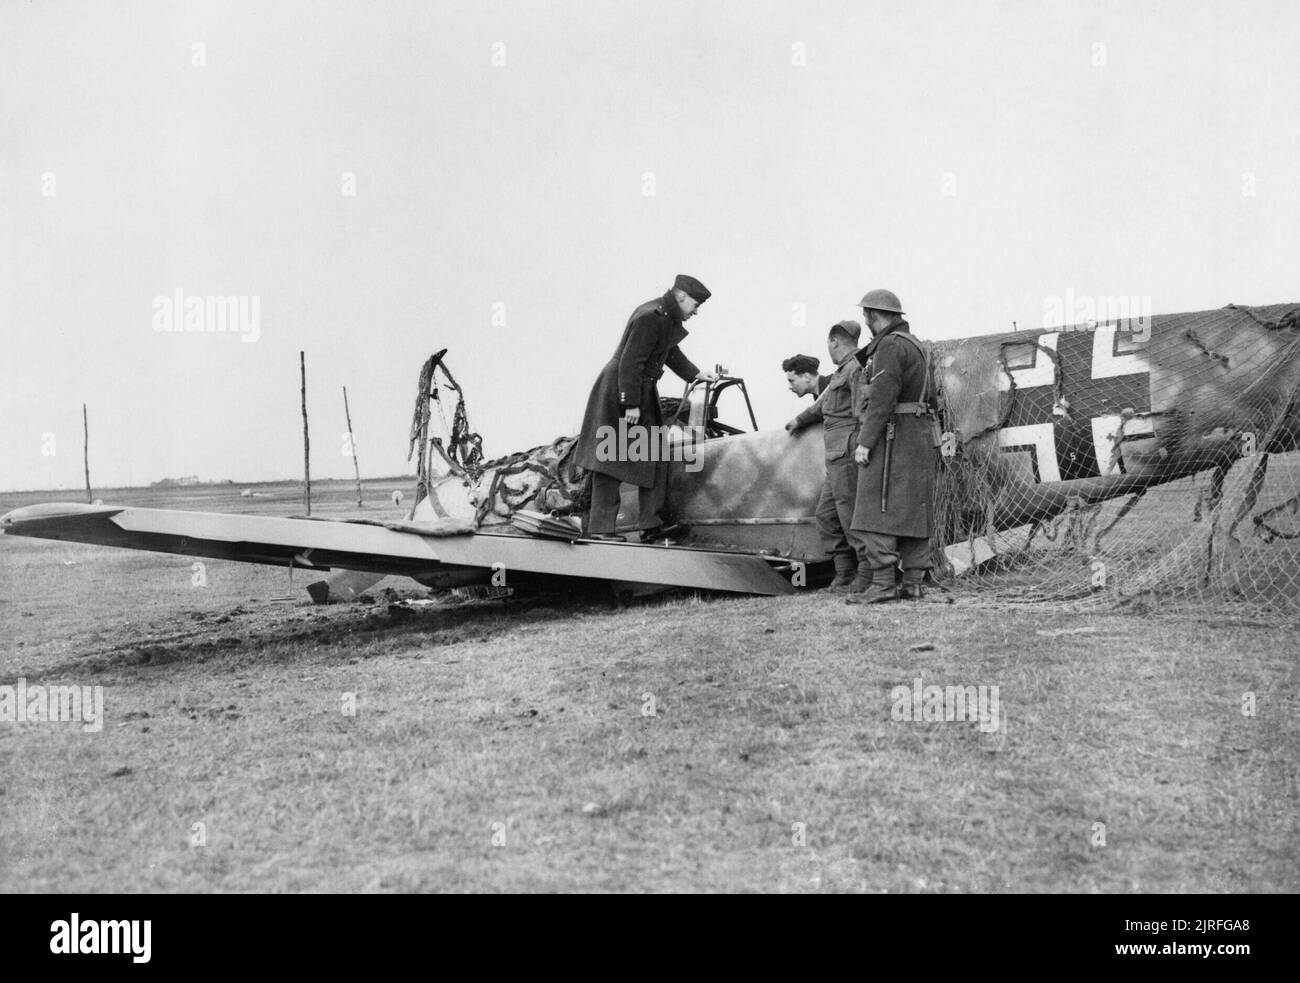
(269, 633)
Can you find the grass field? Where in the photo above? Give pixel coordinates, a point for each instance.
(680, 744)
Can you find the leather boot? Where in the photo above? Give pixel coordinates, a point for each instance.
(861, 581)
(881, 588)
(846, 570)
(911, 588)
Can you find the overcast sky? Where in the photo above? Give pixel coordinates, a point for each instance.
(386, 179)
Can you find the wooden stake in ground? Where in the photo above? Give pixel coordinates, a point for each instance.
(353, 445)
(85, 451)
(306, 440)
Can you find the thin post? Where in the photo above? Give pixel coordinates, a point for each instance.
(85, 450)
(352, 444)
(306, 439)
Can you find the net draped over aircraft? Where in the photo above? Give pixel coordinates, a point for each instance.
(1150, 459)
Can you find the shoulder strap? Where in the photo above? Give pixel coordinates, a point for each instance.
(925, 354)
(916, 342)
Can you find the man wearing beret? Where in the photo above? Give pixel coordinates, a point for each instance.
(801, 375)
(834, 410)
(627, 390)
(897, 450)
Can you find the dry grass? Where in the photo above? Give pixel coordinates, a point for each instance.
(504, 747)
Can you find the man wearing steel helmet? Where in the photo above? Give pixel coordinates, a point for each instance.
(897, 452)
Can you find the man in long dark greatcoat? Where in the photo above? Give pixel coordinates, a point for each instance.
(627, 392)
(897, 451)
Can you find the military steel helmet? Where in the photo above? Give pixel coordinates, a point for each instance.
(881, 300)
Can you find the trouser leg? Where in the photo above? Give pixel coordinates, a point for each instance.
(914, 554)
(880, 549)
(603, 516)
(844, 479)
(835, 522)
(650, 501)
(830, 530)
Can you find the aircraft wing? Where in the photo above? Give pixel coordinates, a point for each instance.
(413, 549)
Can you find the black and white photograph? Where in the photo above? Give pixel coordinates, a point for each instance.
(541, 447)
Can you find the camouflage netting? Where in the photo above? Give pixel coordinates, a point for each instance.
(1151, 461)
(544, 479)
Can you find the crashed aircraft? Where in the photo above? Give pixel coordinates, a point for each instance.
(1034, 422)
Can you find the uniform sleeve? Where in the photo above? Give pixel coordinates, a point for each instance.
(682, 365)
(886, 383)
(851, 379)
(636, 352)
(812, 414)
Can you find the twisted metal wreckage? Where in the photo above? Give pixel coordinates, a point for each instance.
(1040, 427)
